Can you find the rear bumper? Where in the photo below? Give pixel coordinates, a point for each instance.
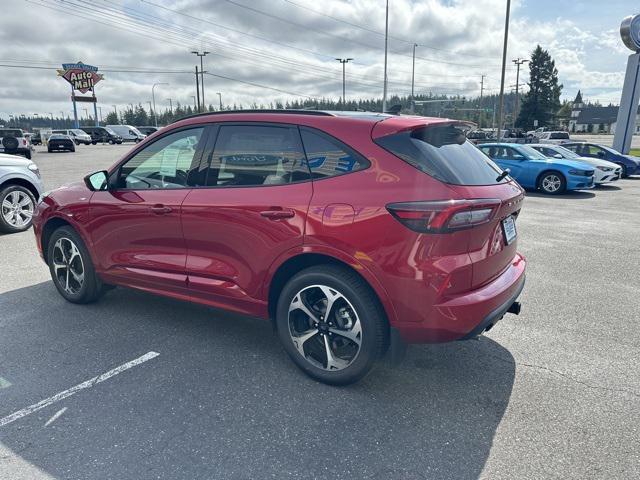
(468, 314)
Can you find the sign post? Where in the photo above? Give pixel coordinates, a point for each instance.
(83, 78)
(626, 122)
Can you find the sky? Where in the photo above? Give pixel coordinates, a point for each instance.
(264, 51)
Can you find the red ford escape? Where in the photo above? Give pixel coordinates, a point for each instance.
(356, 233)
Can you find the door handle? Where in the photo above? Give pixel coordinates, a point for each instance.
(278, 214)
(160, 209)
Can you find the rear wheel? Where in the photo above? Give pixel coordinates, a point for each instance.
(331, 324)
(71, 267)
(16, 209)
(552, 183)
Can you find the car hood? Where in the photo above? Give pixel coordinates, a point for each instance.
(635, 159)
(568, 163)
(13, 161)
(596, 162)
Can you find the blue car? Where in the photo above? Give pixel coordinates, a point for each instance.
(532, 170)
(630, 164)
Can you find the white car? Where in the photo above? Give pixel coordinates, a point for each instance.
(20, 187)
(605, 172)
(554, 138)
(128, 133)
(78, 136)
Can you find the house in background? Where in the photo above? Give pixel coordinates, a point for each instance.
(595, 119)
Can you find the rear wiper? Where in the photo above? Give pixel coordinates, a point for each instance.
(504, 173)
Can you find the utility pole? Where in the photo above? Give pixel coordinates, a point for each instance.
(201, 55)
(170, 105)
(220, 98)
(518, 61)
(153, 97)
(100, 109)
(386, 41)
(343, 61)
(413, 74)
(481, 92)
(198, 90)
(115, 108)
(504, 66)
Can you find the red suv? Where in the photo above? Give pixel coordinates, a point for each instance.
(355, 232)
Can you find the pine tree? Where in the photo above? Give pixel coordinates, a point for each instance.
(542, 100)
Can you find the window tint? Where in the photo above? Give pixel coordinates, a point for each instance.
(443, 153)
(502, 153)
(559, 136)
(163, 164)
(251, 155)
(327, 157)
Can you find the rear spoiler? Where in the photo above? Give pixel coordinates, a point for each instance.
(394, 125)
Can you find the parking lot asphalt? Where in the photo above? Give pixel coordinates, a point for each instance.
(551, 393)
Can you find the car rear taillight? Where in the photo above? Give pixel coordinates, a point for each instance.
(442, 216)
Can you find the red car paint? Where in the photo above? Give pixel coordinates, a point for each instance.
(223, 246)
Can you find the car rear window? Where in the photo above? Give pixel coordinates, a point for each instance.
(5, 132)
(443, 153)
(559, 136)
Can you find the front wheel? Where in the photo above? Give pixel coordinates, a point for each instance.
(623, 172)
(552, 183)
(16, 209)
(331, 324)
(71, 267)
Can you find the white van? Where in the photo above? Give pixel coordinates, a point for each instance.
(78, 136)
(128, 133)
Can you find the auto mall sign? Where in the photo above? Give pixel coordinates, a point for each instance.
(82, 77)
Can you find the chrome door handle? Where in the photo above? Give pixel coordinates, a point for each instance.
(278, 214)
(160, 209)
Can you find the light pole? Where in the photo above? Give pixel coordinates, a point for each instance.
(170, 105)
(100, 110)
(518, 61)
(86, 114)
(115, 108)
(153, 97)
(51, 114)
(203, 54)
(195, 106)
(150, 110)
(386, 39)
(413, 74)
(344, 62)
(219, 98)
(504, 66)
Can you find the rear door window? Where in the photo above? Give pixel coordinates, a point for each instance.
(252, 155)
(443, 153)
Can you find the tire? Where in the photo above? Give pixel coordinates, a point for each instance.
(356, 312)
(13, 219)
(28, 155)
(69, 260)
(10, 144)
(552, 183)
(623, 172)
(72, 149)
(93, 142)
(49, 150)
(111, 142)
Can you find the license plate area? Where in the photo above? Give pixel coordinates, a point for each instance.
(509, 229)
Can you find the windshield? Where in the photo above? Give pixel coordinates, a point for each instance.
(532, 153)
(11, 133)
(110, 131)
(566, 153)
(77, 131)
(443, 153)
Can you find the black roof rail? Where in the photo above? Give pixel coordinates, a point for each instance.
(276, 111)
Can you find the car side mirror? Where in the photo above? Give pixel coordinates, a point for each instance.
(98, 181)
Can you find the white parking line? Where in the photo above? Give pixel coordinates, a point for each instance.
(73, 390)
(56, 416)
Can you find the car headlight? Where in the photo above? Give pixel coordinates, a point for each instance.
(34, 168)
(605, 169)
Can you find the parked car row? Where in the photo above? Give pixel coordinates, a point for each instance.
(554, 169)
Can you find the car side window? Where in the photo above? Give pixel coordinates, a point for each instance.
(163, 164)
(327, 157)
(512, 154)
(256, 155)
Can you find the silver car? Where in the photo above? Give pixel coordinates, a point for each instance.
(20, 188)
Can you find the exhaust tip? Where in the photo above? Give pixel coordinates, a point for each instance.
(515, 308)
